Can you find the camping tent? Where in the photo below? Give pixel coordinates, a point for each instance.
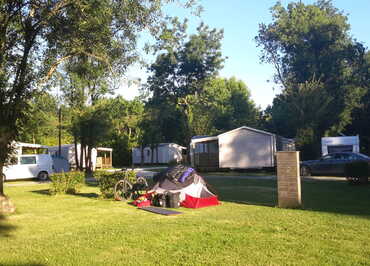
(193, 190)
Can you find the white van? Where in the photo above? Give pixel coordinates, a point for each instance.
(29, 161)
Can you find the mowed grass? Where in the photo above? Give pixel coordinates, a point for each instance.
(247, 228)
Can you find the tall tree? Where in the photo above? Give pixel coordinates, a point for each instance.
(361, 123)
(47, 33)
(182, 69)
(312, 43)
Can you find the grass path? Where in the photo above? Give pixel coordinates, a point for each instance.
(246, 229)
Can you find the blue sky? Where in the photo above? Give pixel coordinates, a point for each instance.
(240, 19)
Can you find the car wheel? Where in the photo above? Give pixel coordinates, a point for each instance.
(43, 176)
(305, 171)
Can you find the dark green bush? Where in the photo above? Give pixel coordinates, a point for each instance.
(107, 181)
(357, 172)
(66, 183)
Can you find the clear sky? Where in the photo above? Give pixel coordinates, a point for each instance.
(240, 19)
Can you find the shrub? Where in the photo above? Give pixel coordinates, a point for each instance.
(357, 172)
(107, 181)
(66, 183)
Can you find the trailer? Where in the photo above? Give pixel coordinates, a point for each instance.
(166, 152)
(65, 158)
(241, 148)
(340, 144)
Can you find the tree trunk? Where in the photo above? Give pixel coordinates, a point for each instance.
(142, 155)
(82, 148)
(1, 179)
(156, 151)
(152, 153)
(76, 154)
(89, 167)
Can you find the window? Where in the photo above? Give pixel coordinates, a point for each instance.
(28, 160)
(328, 157)
(340, 148)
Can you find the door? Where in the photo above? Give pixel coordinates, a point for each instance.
(28, 167)
(324, 165)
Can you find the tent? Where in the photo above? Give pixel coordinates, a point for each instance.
(194, 190)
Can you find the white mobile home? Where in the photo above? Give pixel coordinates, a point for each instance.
(241, 148)
(29, 161)
(167, 152)
(100, 157)
(340, 144)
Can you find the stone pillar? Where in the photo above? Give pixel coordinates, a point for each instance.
(289, 181)
(6, 205)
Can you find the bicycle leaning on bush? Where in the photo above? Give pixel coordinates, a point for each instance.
(126, 190)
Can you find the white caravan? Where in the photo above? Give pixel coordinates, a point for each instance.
(29, 161)
(340, 144)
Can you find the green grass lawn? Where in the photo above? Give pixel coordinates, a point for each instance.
(246, 229)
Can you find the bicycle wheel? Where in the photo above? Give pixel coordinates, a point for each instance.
(140, 187)
(123, 190)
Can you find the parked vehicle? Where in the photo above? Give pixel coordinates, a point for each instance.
(29, 166)
(332, 164)
(340, 144)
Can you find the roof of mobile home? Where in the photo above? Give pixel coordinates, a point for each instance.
(197, 139)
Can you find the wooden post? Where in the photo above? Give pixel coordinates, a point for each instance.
(289, 181)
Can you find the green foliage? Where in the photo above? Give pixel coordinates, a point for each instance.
(124, 131)
(66, 183)
(96, 37)
(107, 181)
(318, 65)
(357, 172)
(42, 124)
(186, 95)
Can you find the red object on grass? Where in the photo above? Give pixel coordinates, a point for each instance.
(145, 203)
(192, 202)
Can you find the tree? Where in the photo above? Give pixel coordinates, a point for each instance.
(184, 66)
(312, 43)
(224, 104)
(360, 117)
(47, 33)
(180, 72)
(124, 134)
(91, 128)
(42, 123)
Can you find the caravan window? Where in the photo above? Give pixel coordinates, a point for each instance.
(31, 150)
(28, 160)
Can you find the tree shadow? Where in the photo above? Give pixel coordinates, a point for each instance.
(5, 228)
(27, 264)
(78, 194)
(335, 196)
(245, 191)
(42, 192)
(86, 195)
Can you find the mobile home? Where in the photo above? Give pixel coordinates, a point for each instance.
(66, 160)
(340, 144)
(167, 152)
(241, 148)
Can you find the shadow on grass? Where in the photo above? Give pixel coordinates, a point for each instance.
(5, 228)
(317, 195)
(28, 264)
(78, 194)
(336, 197)
(245, 191)
(86, 195)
